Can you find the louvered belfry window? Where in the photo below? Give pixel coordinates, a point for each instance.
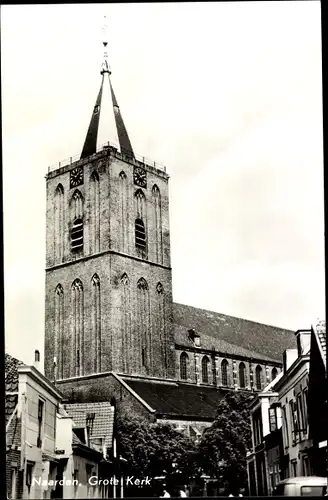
(77, 236)
(140, 234)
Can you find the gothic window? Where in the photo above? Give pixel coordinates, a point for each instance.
(258, 377)
(59, 223)
(144, 325)
(127, 346)
(157, 221)
(77, 327)
(140, 234)
(95, 212)
(124, 211)
(160, 325)
(77, 236)
(184, 366)
(224, 372)
(274, 373)
(205, 362)
(76, 205)
(140, 223)
(242, 375)
(96, 322)
(59, 330)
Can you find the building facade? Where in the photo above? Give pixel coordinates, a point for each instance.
(285, 421)
(31, 408)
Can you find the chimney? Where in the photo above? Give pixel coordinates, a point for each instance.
(303, 339)
(290, 355)
(37, 363)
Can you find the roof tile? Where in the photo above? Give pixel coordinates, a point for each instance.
(261, 339)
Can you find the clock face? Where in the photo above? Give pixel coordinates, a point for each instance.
(76, 177)
(140, 177)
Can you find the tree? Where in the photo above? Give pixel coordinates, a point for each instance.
(154, 449)
(223, 447)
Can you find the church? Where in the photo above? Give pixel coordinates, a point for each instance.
(112, 330)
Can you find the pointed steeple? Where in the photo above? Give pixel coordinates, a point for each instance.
(90, 143)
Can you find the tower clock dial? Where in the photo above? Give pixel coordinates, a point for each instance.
(140, 177)
(76, 177)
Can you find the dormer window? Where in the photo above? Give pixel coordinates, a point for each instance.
(77, 236)
(194, 337)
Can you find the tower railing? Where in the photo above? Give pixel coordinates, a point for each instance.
(108, 145)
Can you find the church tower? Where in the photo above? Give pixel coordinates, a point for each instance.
(108, 273)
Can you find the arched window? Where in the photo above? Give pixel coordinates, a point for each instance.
(124, 212)
(274, 373)
(78, 325)
(144, 326)
(157, 223)
(205, 362)
(59, 330)
(224, 372)
(258, 377)
(242, 373)
(140, 234)
(95, 213)
(129, 345)
(183, 366)
(77, 236)
(96, 322)
(59, 223)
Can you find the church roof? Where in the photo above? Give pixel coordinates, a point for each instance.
(102, 424)
(178, 399)
(217, 344)
(267, 341)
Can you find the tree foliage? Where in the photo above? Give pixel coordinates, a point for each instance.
(153, 449)
(223, 447)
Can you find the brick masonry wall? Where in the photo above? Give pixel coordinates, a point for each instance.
(110, 267)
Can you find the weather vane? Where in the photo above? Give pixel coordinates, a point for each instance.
(105, 66)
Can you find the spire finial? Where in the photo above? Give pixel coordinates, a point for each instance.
(105, 66)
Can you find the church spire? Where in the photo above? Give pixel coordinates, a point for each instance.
(90, 143)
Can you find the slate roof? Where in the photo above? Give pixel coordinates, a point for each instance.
(177, 399)
(219, 345)
(11, 384)
(103, 423)
(266, 340)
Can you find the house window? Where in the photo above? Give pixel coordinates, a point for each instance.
(285, 426)
(258, 377)
(140, 234)
(305, 406)
(300, 413)
(183, 366)
(242, 372)
(272, 419)
(274, 373)
(143, 355)
(224, 372)
(294, 419)
(205, 362)
(77, 236)
(13, 482)
(29, 474)
(40, 422)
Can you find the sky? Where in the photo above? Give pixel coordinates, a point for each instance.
(227, 95)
